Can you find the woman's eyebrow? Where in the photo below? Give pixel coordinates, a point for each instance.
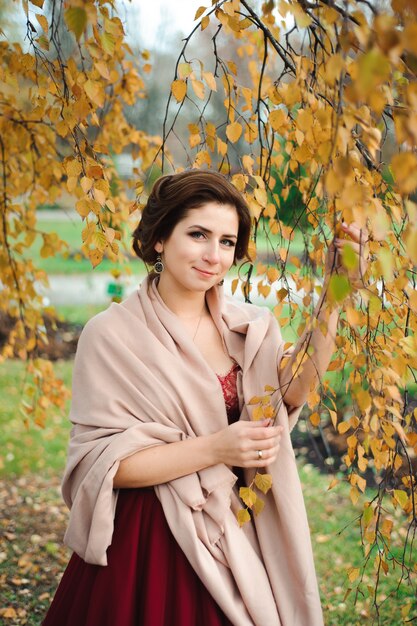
(210, 232)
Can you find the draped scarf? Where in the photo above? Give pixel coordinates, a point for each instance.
(139, 381)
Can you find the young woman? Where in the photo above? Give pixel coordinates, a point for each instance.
(163, 436)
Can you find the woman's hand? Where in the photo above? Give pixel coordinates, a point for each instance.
(356, 238)
(239, 444)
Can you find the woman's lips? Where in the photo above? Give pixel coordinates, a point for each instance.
(204, 273)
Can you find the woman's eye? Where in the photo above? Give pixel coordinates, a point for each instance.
(197, 234)
(229, 242)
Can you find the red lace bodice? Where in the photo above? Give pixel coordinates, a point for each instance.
(229, 388)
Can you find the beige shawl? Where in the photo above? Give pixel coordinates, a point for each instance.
(140, 381)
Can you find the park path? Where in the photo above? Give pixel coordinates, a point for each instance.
(90, 288)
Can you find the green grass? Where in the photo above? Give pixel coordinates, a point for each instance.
(337, 547)
(76, 314)
(30, 449)
(333, 518)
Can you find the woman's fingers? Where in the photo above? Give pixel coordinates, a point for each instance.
(248, 444)
(265, 433)
(358, 234)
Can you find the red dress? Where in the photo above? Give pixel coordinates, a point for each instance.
(148, 580)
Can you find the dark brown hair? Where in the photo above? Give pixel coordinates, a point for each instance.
(173, 196)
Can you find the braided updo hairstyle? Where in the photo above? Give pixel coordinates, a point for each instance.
(173, 196)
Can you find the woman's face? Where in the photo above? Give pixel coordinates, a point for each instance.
(200, 249)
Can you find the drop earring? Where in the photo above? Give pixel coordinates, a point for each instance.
(221, 282)
(158, 267)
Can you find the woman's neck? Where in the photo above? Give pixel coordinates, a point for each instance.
(185, 305)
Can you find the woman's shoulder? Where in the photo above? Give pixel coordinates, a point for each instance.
(110, 320)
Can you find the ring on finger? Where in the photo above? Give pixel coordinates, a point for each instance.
(260, 454)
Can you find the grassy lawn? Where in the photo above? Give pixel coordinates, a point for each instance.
(29, 457)
(29, 450)
(76, 314)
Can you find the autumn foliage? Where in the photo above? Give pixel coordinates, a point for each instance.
(61, 120)
(314, 101)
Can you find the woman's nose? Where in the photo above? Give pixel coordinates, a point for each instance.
(212, 253)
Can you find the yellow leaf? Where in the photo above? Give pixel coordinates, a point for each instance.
(232, 67)
(263, 482)
(404, 168)
(255, 400)
(413, 301)
(252, 249)
(354, 494)
(184, 70)
(333, 417)
(43, 22)
(205, 22)
(38, 3)
(194, 140)
(339, 287)
(233, 132)
(281, 294)
(258, 506)
(86, 183)
(235, 283)
(278, 119)
(410, 238)
(76, 20)
(257, 413)
(349, 258)
(353, 573)
(251, 132)
(210, 80)
(73, 167)
(99, 240)
(401, 433)
(179, 89)
(333, 483)
(343, 427)
(361, 482)
(109, 43)
(261, 196)
(248, 163)
(82, 207)
(315, 418)
(103, 69)
(272, 274)
(198, 88)
(243, 516)
(221, 147)
(199, 12)
(269, 411)
(264, 290)
(95, 256)
(92, 89)
(401, 497)
(248, 496)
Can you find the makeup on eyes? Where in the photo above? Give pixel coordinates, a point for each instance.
(197, 229)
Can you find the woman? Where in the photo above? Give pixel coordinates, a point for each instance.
(162, 436)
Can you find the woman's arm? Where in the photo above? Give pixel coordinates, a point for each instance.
(235, 445)
(297, 380)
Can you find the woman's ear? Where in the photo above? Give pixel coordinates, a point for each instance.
(159, 247)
